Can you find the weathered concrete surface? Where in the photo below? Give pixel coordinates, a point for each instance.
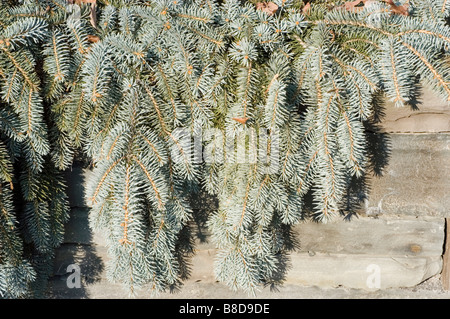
(362, 271)
(416, 179)
(404, 252)
(401, 252)
(76, 179)
(398, 252)
(330, 270)
(431, 289)
(77, 231)
(432, 116)
(374, 236)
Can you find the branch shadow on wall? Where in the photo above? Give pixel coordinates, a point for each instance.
(378, 153)
(77, 262)
(378, 156)
(359, 188)
(203, 204)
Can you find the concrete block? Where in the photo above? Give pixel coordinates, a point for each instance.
(76, 178)
(364, 253)
(368, 253)
(89, 259)
(389, 236)
(78, 231)
(361, 271)
(415, 180)
(432, 116)
(77, 228)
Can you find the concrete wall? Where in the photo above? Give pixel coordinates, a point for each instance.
(396, 241)
(415, 179)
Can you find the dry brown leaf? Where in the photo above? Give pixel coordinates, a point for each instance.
(93, 15)
(403, 10)
(93, 38)
(306, 8)
(81, 1)
(353, 6)
(269, 7)
(241, 120)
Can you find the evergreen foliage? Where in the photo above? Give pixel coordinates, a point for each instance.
(167, 97)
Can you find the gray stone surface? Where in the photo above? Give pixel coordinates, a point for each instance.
(89, 258)
(75, 177)
(432, 116)
(390, 236)
(404, 252)
(78, 231)
(430, 289)
(364, 272)
(415, 180)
